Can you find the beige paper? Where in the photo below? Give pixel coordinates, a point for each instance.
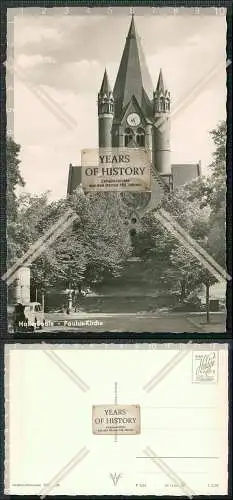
(50, 391)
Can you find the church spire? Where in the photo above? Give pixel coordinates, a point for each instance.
(133, 77)
(105, 97)
(161, 96)
(160, 85)
(105, 112)
(105, 87)
(132, 30)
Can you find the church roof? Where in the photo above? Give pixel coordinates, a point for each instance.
(105, 87)
(133, 77)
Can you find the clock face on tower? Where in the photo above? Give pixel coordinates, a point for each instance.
(133, 120)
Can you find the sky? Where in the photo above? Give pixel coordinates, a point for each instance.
(59, 61)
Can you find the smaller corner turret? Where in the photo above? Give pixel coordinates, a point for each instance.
(105, 97)
(161, 97)
(161, 136)
(105, 113)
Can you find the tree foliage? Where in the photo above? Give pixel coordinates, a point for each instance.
(95, 245)
(199, 208)
(14, 180)
(98, 243)
(14, 177)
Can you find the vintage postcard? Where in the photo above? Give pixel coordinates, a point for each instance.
(116, 163)
(83, 420)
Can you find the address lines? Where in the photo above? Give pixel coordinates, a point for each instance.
(199, 458)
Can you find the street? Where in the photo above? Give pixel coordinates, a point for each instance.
(134, 323)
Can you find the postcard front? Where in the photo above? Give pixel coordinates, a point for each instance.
(117, 190)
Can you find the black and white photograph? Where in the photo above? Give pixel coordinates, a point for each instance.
(116, 170)
(72, 430)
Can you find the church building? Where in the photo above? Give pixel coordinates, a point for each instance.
(137, 114)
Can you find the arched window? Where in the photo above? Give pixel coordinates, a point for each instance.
(167, 105)
(140, 137)
(158, 106)
(163, 103)
(128, 136)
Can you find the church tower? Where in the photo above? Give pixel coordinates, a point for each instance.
(129, 116)
(137, 114)
(105, 113)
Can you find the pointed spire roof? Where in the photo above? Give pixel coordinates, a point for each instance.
(105, 87)
(160, 85)
(132, 30)
(133, 77)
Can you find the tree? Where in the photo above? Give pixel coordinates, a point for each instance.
(97, 245)
(14, 180)
(191, 273)
(156, 244)
(24, 213)
(94, 246)
(219, 136)
(34, 216)
(199, 208)
(208, 227)
(217, 199)
(14, 177)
